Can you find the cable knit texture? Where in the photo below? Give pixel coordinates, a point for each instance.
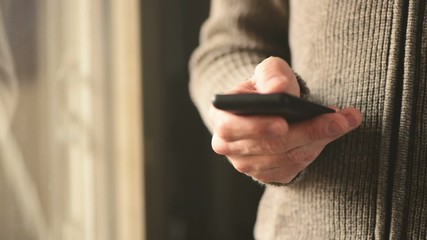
(372, 55)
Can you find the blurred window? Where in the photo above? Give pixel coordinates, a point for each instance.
(70, 124)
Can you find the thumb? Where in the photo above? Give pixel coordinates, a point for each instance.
(273, 75)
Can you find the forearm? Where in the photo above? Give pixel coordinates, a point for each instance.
(238, 35)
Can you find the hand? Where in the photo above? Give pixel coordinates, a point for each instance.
(268, 148)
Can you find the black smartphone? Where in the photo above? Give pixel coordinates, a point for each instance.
(292, 108)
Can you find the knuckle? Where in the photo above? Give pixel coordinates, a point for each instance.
(219, 146)
(222, 129)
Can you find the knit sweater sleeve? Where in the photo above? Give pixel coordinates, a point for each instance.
(237, 36)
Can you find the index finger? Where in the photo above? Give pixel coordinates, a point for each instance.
(232, 127)
(328, 126)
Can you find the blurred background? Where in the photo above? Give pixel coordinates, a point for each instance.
(98, 136)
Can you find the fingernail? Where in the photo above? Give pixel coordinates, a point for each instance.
(334, 128)
(351, 120)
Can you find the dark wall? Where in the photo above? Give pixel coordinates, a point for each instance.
(191, 192)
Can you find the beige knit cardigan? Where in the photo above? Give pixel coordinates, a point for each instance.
(370, 54)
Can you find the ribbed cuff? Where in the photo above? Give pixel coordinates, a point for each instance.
(304, 90)
(296, 179)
